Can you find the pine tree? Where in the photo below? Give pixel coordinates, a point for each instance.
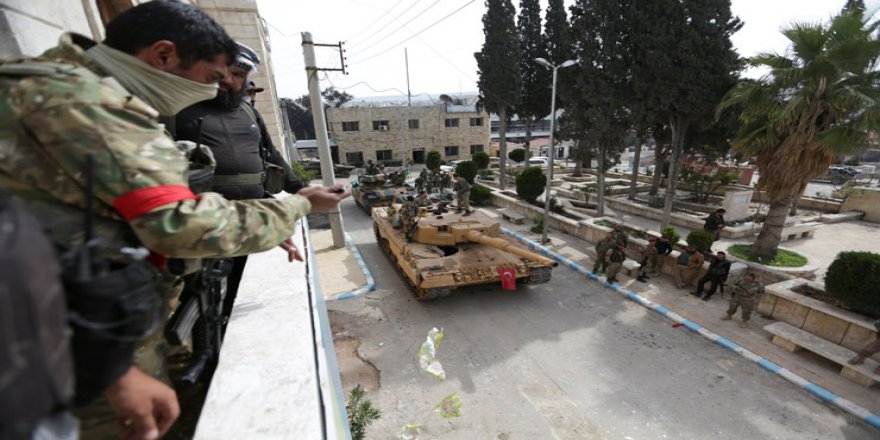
(684, 63)
(557, 39)
(500, 82)
(598, 89)
(535, 97)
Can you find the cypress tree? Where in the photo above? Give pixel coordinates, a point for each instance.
(499, 81)
(535, 96)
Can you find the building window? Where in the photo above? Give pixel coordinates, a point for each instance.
(354, 158)
(476, 148)
(476, 122)
(413, 124)
(450, 150)
(452, 123)
(383, 155)
(350, 126)
(380, 125)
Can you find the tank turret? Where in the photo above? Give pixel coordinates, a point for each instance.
(380, 189)
(448, 251)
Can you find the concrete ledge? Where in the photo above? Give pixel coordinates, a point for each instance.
(842, 217)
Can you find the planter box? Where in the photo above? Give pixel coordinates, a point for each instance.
(831, 323)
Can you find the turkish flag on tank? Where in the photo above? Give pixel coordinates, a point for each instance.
(508, 278)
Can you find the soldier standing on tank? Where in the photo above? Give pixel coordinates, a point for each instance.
(445, 181)
(601, 247)
(745, 293)
(614, 258)
(463, 194)
(422, 181)
(422, 200)
(371, 169)
(408, 215)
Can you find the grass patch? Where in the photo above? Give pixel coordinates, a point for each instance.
(783, 257)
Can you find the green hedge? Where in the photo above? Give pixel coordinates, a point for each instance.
(481, 159)
(854, 278)
(517, 154)
(671, 234)
(530, 184)
(701, 240)
(783, 257)
(466, 169)
(480, 194)
(432, 162)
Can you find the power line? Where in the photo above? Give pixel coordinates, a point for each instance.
(385, 15)
(401, 26)
(417, 33)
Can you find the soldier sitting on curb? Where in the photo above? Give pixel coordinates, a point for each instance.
(746, 293)
(649, 259)
(614, 258)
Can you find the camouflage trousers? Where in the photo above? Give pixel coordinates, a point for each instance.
(464, 200)
(747, 304)
(613, 269)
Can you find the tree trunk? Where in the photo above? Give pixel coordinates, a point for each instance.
(528, 138)
(771, 233)
(635, 173)
(678, 128)
(659, 160)
(579, 160)
(600, 186)
(502, 148)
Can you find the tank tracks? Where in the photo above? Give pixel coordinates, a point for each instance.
(540, 275)
(418, 293)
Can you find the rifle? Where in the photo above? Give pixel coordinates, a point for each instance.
(200, 315)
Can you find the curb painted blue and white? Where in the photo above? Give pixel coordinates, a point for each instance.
(371, 282)
(821, 393)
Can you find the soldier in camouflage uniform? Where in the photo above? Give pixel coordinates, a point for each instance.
(463, 194)
(445, 181)
(614, 258)
(601, 247)
(422, 181)
(746, 292)
(422, 201)
(83, 99)
(408, 215)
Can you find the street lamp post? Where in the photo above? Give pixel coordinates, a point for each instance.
(550, 66)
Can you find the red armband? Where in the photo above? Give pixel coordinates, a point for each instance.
(134, 204)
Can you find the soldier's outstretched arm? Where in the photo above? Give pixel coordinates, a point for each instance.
(141, 174)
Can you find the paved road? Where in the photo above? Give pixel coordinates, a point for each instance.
(569, 360)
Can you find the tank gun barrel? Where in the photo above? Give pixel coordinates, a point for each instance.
(506, 246)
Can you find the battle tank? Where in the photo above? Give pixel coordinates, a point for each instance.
(383, 189)
(447, 251)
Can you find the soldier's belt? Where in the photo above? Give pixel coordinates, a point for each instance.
(238, 179)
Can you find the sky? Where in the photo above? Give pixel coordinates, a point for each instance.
(441, 37)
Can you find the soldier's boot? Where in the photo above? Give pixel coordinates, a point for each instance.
(743, 324)
(858, 360)
(466, 213)
(726, 318)
(642, 278)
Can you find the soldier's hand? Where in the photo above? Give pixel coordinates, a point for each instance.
(325, 198)
(145, 408)
(292, 251)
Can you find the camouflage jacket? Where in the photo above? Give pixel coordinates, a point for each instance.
(59, 107)
(748, 289)
(461, 186)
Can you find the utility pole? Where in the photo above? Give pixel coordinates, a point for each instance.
(408, 94)
(289, 141)
(323, 141)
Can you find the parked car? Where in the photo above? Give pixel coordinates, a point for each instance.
(539, 162)
(450, 166)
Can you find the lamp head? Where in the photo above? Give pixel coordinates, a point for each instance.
(569, 63)
(543, 62)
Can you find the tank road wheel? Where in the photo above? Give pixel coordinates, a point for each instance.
(431, 294)
(376, 232)
(539, 275)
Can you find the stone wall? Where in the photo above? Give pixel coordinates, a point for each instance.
(866, 200)
(431, 134)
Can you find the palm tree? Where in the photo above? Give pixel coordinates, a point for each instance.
(819, 100)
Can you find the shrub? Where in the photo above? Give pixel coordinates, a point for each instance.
(701, 240)
(433, 160)
(361, 413)
(530, 184)
(466, 169)
(556, 207)
(304, 176)
(479, 194)
(486, 174)
(853, 278)
(517, 154)
(539, 226)
(671, 234)
(481, 159)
